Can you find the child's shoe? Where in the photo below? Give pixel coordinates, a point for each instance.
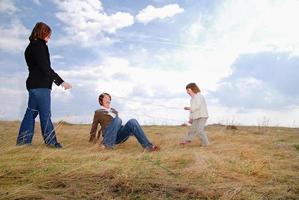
(185, 142)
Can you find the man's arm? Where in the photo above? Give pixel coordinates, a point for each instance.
(95, 123)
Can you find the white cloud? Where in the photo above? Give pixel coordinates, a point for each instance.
(7, 6)
(13, 34)
(154, 96)
(13, 37)
(13, 109)
(87, 22)
(151, 13)
(37, 2)
(236, 28)
(252, 26)
(194, 30)
(61, 95)
(56, 57)
(255, 117)
(142, 86)
(13, 96)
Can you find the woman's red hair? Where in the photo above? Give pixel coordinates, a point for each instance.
(40, 31)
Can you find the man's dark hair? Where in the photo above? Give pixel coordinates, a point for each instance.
(101, 97)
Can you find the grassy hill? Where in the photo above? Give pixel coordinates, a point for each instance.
(246, 163)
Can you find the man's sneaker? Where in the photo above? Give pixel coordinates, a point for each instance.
(185, 142)
(152, 148)
(56, 145)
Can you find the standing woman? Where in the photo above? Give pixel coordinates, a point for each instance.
(198, 115)
(39, 85)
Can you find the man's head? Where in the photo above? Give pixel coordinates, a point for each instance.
(105, 99)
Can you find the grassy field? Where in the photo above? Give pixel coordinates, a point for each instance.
(247, 163)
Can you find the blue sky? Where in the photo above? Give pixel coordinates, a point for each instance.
(244, 55)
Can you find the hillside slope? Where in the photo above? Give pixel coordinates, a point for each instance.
(246, 163)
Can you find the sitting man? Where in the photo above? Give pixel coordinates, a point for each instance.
(112, 129)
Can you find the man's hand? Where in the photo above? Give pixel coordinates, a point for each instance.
(66, 85)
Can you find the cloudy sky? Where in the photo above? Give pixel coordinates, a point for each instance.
(244, 55)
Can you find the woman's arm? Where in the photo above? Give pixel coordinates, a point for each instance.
(43, 60)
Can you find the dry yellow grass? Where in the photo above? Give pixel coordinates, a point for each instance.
(247, 163)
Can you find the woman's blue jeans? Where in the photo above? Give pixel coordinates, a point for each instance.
(39, 103)
(115, 133)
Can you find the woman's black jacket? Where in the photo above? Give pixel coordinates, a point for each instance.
(41, 75)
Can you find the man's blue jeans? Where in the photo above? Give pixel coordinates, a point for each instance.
(115, 133)
(39, 103)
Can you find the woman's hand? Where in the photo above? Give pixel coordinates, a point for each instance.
(66, 85)
(186, 108)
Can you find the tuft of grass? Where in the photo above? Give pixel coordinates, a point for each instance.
(296, 146)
